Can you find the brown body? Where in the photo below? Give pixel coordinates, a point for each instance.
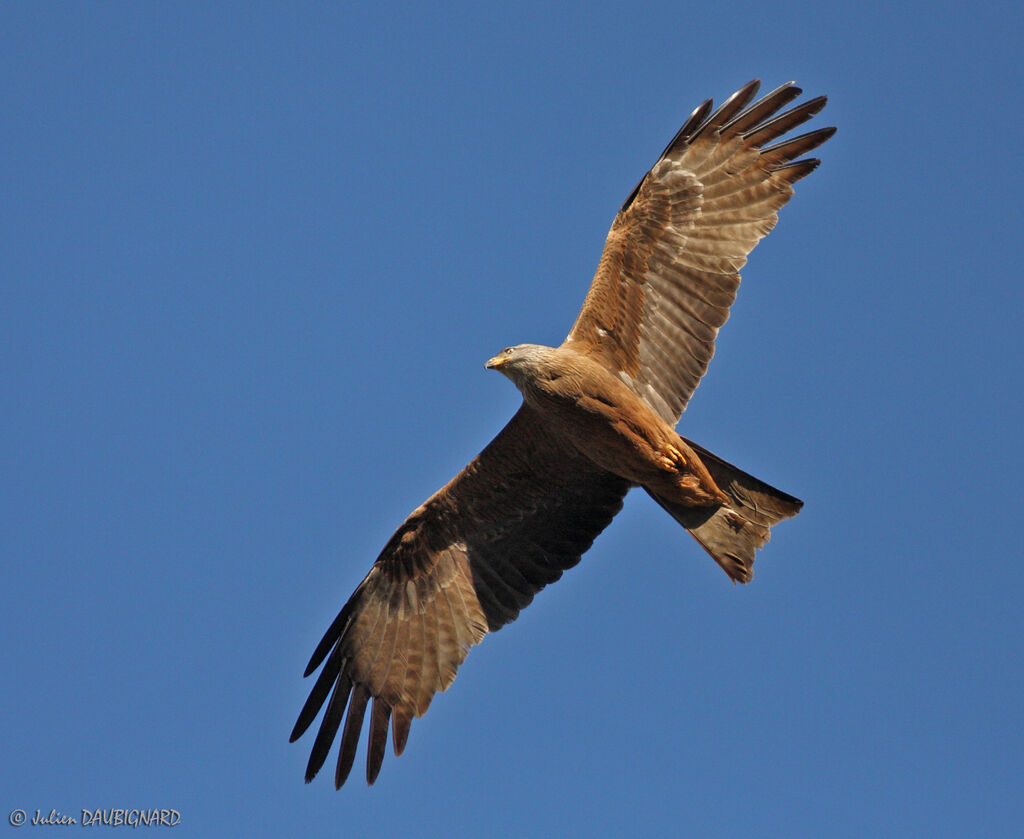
(594, 411)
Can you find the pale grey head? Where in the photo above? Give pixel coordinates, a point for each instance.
(521, 363)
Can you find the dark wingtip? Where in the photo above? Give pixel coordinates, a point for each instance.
(327, 680)
(793, 172)
(350, 734)
(401, 720)
(816, 104)
(731, 106)
(328, 727)
(379, 717)
(333, 633)
(823, 134)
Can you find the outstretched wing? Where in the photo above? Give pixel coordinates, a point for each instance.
(670, 266)
(463, 564)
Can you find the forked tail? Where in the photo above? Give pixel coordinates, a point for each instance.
(732, 533)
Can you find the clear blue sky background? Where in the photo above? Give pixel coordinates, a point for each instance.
(253, 259)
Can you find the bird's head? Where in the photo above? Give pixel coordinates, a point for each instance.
(519, 362)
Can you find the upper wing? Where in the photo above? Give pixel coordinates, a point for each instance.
(670, 266)
(464, 563)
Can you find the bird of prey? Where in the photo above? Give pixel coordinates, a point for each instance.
(597, 419)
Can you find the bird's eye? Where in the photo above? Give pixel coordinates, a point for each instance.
(508, 351)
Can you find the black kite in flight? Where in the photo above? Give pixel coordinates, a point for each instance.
(597, 418)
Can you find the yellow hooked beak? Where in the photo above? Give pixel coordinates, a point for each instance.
(496, 362)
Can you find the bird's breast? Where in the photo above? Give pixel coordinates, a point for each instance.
(596, 413)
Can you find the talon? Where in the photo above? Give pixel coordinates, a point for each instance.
(675, 456)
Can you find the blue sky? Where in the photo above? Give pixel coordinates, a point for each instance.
(253, 259)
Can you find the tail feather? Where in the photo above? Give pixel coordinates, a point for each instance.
(732, 533)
